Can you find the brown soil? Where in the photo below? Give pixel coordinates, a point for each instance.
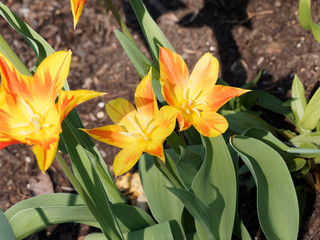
(245, 36)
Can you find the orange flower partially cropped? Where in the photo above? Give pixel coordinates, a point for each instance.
(29, 112)
(136, 131)
(76, 8)
(195, 96)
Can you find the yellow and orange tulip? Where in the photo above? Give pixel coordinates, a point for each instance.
(29, 112)
(76, 8)
(137, 130)
(195, 96)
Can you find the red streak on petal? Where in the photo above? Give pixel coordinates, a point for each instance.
(81, 2)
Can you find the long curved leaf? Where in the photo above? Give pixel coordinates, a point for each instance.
(277, 203)
(163, 204)
(151, 30)
(215, 185)
(5, 228)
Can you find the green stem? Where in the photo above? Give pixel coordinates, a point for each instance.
(118, 18)
(6, 50)
(71, 176)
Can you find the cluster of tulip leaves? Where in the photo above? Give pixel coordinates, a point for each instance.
(196, 195)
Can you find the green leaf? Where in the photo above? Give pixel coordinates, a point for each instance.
(42, 211)
(306, 21)
(313, 137)
(305, 18)
(7, 51)
(188, 165)
(298, 103)
(5, 228)
(311, 115)
(271, 140)
(197, 208)
(252, 83)
(296, 164)
(277, 204)
(82, 164)
(241, 121)
(163, 231)
(151, 30)
(215, 185)
(267, 101)
(305, 152)
(164, 205)
(38, 44)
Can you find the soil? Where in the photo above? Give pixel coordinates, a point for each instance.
(245, 36)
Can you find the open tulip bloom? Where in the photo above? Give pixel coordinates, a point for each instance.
(29, 112)
(196, 97)
(137, 130)
(76, 8)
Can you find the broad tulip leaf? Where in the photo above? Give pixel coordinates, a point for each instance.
(267, 137)
(313, 137)
(215, 185)
(188, 165)
(5, 228)
(241, 121)
(33, 214)
(163, 231)
(305, 152)
(277, 203)
(298, 103)
(197, 208)
(151, 30)
(311, 116)
(163, 204)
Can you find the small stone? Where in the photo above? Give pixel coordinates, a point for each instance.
(100, 114)
(277, 4)
(101, 104)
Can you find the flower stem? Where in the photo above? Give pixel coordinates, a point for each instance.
(70, 175)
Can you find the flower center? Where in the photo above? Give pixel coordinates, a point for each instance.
(191, 103)
(33, 125)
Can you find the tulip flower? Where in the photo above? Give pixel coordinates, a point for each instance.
(76, 8)
(195, 96)
(29, 112)
(137, 130)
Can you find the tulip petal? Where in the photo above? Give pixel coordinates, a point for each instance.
(76, 8)
(145, 100)
(70, 99)
(155, 148)
(50, 76)
(125, 115)
(210, 124)
(219, 95)
(174, 75)
(204, 75)
(45, 154)
(127, 158)
(184, 121)
(113, 135)
(164, 124)
(12, 81)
